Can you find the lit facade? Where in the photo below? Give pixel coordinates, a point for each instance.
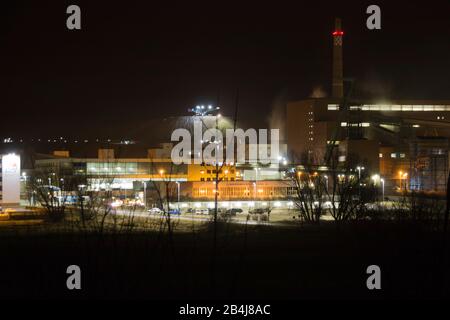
(10, 179)
(404, 136)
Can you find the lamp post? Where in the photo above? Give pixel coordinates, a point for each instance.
(403, 176)
(256, 183)
(178, 194)
(359, 171)
(145, 194)
(376, 178)
(62, 188)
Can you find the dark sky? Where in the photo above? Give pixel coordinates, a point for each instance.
(135, 63)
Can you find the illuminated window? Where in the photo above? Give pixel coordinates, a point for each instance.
(380, 155)
(398, 107)
(393, 155)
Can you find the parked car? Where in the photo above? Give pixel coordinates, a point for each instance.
(175, 211)
(155, 210)
(116, 203)
(201, 211)
(257, 211)
(233, 211)
(219, 210)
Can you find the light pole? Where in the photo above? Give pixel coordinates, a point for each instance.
(178, 194)
(359, 171)
(62, 188)
(256, 184)
(145, 194)
(403, 176)
(376, 178)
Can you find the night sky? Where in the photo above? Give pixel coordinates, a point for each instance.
(135, 63)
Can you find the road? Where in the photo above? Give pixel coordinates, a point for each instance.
(240, 219)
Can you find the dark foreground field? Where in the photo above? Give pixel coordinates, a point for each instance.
(259, 262)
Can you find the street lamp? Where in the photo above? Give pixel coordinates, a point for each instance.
(178, 194)
(405, 177)
(62, 186)
(50, 178)
(256, 183)
(359, 171)
(376, 178)
(402, 176)
(145, 193)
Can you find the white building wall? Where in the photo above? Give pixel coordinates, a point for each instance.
(10, 183)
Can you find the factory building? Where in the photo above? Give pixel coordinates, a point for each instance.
(404, 141)
(130, 178)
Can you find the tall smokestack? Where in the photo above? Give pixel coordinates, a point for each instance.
(338, 83)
